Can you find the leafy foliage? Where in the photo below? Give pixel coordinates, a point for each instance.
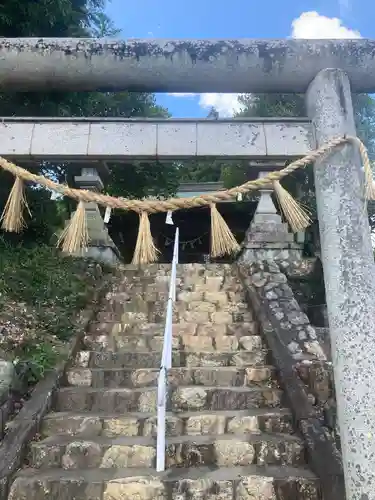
(62, 18)
(41, 294)
(301, 183)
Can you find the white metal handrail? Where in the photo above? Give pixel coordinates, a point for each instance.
(166, 362)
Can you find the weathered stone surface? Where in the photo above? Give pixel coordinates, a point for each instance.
(258, 374)
(233, 453)
(205, 424)
(212, 329)
(141, 378)
(226, 343)
(270, 284)
(79, 377)
(201, 306)
(174, 426)
(251, 343)
(81, 454)
(72, 425)
(121, 426)
(128, 456)
(195, 316)
(255, 488)
(243, 425)
(134, 489)
(192, 398)
(221, 317)
(197, 343)
(203, 489)
(289, 453)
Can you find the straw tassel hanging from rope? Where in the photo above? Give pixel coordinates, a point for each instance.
(297, 217)
(75, 237)
(12, 217)
(222, 240)
(145, 250)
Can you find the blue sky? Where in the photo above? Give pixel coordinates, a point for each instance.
(238, 19)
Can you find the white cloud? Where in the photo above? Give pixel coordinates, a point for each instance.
(311, 25)
(225, 104)
(182, 94)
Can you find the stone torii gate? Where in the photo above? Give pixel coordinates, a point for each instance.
(327, 72)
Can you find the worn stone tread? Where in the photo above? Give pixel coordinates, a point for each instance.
(224, 413)
(182, 343)
(226, 450)
(65, 439)
(234, 483)
(218, 474)
(152, 359)
(178, 424)
(182, 398)
(239, 329)
(200, 375)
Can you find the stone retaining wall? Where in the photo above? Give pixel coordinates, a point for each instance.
(304, 370)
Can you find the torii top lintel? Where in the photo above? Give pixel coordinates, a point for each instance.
(243, 65)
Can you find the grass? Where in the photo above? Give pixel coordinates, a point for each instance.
(41, 294)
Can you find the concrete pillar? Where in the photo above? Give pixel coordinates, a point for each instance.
(101, 246)
(349, 273)
(268, 238)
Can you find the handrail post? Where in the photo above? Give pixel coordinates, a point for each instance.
(166, 363)
(161, 402)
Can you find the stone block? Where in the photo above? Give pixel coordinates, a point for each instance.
(179, 139)
(135, 488)
(231, 453)
(15, 138)
(221, 317)
(255, 488)
(123, 139)
(202, 489)
(205, 424)
(119, 456)
(121, 426)
(228, 139)
(62, 137)
(288, 139)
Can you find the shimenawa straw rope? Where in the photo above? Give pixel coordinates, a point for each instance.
(223, 240)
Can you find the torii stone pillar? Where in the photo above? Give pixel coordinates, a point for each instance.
(349, 273)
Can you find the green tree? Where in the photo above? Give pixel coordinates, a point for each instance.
(288, 105)
(63, 18)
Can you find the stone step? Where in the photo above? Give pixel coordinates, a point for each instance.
(117, 304)
(192, 283)
(278, 420)
(188, 398)
(187, 342)
(225, 450)
(158, 316)
(117, 328)
(188, 268)
(187, 285)
(93, 359)
(199, 483)
(144, 294)
(206, 376)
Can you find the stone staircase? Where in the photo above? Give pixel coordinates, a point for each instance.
(229, 434)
